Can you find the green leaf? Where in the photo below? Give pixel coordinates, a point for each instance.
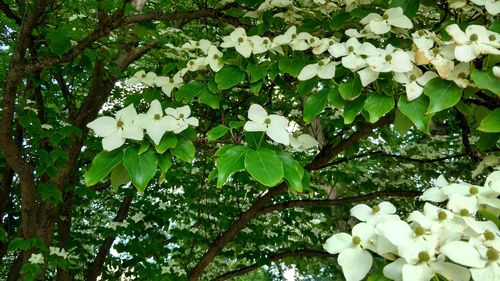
(229, 76)
(119, 177)
(305, 87)
(19, 243)
(255, 87)
(489, 216)
(230, 162)
(351, 89)
(164, 163)
(410, 7)
(416, 111)
(217, 132)
(141, 168)
(314, 104)
(184, 149)
(144, 147)
(102, 165)
(210, 99)
(487, 140)
(486, 80)
(188, 92)
(292, 66)
(168, 141)
(256, 71)
(491, 123)
(254, 139)
(3, 234)
(378, 105)
(293, 171)
(352, 109)
(402, 123)
(59, 43)
(335, 99)
(264, 166)
(443, 94)
(50, 193)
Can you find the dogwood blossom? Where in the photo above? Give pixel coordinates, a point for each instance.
(303, 141)
(324, 69)
(115, 131)
(238, 39)
(155, 123)
(274, 125)
(382, 24)
(168, 84)
(492, 6)
(414, 81)
(36, 259)
(474, 42)
(181, 115)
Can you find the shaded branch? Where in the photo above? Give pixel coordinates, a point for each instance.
(340, 201)
(319, 161)
(95, 268)
(9, 13)
(276, 257)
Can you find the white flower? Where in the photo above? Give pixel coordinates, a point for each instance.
(373, 215)
(352, 53)
(238, 39)
(213, 58)
(390, 59)
(167, 84)
(137, 217)
(142, 77)
(459, 75)
(324, 69)
(303, 141)
(492, 6)
(296, 41)
(260, 44)
(36, 259)
(274, 125)
(58, 252)
(474, 42)
(155, 123)
(115, 131)
(354, 260)
(318, 45)
(196, 64)
(382, 24)
(202, 45)
(414, 81)
(181, 114)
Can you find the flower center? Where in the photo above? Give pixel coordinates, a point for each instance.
(423, 257)
(375, 209)
(216, 56)
(330, 43)
(419, 231)
(436, 51)
(385, 17)
(119, 124)
(492, 254)
(492, 37)
(473, 190)
(181, 116)
(462, 75)
(312, 40)
(321, 63)
(157, 116)
(265, 41)
(488, 235)
(388, 58)
(350, 49)
(240, 40)
(464, 213)
(267, 121)
(171, 80)
(356, 240)
(413, 77)
(191, 62)
(294, 36)
(421, 33)
(442, 215)
(473, 37)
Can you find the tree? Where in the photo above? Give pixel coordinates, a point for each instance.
(210, 180)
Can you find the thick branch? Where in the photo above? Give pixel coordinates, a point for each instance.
(95, 268)
(320, 161)
(340, 201)
(284, 255)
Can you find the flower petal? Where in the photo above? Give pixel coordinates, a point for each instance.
(257, 113)
(355, 263)
(463, 253)
(103, 126)
(113, 141)
(337, 243)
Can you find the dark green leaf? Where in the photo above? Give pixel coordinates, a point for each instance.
(378, 105)
(102, 165)
(416, 111)
(293, 171)
(210, 99)
(443, 94)
(292, 66)
(335, 99)
(351, 89)
(256, 71)
(491, 123)
(230, 162)
(141, 168)
(410, 7)
(264, 166)
(352, 109)
(217, 132)
(50, 193)
(314, 104)
(229, 76)
(119, 177)
(168, 141)
(184, 150)
(486, 80)
(188, 92)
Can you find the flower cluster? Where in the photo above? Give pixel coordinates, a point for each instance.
(450, 241)
(276, 127)
(127, 124)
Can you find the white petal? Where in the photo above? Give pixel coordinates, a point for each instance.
(421, 272)
(338, 50)
(362, 212)
(167, 89)
(355, 263)
(434, 194)
(279, 136)
(327, 71)
(251, 126)
(192, 121)
(103, 126)
(457, 34)
(308, 72)
(493, 181)
(394, 270)
(113, 141)
(170, 123)
(257, 113)
(396, 231)
(463, 253)
(156, 130)
(244, 49)
(337, 243)
(451, 271)
(387, 208)
(401, 21)
(364, 231)
(353, 62)
(490, 272)
(133, 132)
(367, 76)
(379, 27)
(127, 115)
(172, 112)
(155, 108)
(466, 53)
(413, 90)
(184, 110)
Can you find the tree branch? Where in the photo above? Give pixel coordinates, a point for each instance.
(9, 13)
(319, 161)
(95, 268)
(280, 256)
(340, 201)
